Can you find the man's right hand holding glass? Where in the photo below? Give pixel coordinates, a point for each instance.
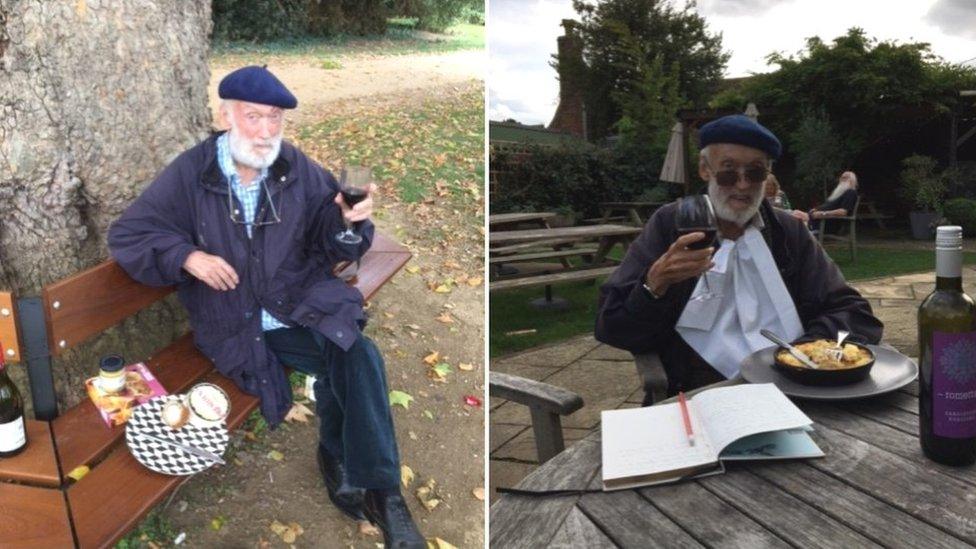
(679, 263)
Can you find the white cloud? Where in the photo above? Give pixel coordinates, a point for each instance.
(955, 17)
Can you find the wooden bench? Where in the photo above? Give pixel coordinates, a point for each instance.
(546, 403)
(550, 254)
(553, 278)
(118, 492)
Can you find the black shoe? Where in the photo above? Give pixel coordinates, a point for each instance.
(347, 498)
(387, 510)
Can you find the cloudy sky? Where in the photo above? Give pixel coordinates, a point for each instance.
(522, 37)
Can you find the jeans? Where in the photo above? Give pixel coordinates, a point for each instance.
(352, 402)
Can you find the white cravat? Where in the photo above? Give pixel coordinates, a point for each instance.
(748, 295)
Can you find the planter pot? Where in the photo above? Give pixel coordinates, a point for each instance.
(923, 225)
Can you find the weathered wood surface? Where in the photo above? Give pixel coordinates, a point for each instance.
(519, 217)
(533, 393)
(535, 256)
(9, 335)
(586, 232)
(553, 278)
(873, 488)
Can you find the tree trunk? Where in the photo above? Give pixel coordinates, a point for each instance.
(96, 97)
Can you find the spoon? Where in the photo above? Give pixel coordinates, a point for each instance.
(800, 355)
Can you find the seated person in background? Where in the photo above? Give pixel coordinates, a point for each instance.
(767, 272)
(777, 197)
(841, 201)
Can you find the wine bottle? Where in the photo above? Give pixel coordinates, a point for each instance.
(947, 359)
(13, 432)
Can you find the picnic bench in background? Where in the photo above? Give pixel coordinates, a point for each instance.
(511, 220)
(595, 259)
(636, 213)
(869, 212)
(39, 506)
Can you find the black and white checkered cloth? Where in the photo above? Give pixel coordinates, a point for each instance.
(166, 459)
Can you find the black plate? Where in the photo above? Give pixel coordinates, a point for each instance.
(809, 376)
(892, 371)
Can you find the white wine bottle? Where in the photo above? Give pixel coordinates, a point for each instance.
(13, 432)
(947, 359)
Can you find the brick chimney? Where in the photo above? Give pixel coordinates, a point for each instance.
(570, 114)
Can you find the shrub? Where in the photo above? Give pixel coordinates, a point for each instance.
(922, 184)
(962, 212)
(573, 177)
(264, 20)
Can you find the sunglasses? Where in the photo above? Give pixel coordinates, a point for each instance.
(752, 174)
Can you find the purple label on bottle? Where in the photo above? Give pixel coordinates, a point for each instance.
(954, 384)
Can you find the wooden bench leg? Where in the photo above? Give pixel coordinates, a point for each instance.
(548, 431)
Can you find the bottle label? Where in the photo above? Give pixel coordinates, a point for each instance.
(12, 435)
(954, 384)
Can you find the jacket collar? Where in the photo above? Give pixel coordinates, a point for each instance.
(279, 174)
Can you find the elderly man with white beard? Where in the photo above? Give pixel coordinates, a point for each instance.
(701, 310)
(245, 226)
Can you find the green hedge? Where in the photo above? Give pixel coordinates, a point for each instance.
(962, 212)
(572, 178)
(263, 20)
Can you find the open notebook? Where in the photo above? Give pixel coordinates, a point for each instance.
(643, 446)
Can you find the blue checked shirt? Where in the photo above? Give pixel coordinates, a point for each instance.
(249, 197)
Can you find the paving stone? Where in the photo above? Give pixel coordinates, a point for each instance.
(602, 384)
(907, 303)
(522, 447)
(913, 278)
(606, 352)
(885, 290)
(511, 413)
(900, 327)
(537, 373)
(557, 355)
(506, 474)
(922, 289)
(499, 434)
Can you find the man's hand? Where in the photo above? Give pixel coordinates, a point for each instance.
(679, 263)
(212, 270)
(802, 216)
(360, 211)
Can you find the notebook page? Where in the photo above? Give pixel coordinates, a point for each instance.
(730, 413)
(643, 441)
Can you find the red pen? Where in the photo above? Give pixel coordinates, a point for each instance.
(687, 418)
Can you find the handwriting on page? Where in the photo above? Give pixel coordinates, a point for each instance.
(643, 448)
(730, 413)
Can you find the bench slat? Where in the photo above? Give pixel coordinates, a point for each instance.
(377, 268)
(33, 517)
(543, 255)
(568, 276)
(38, 463)
(93, 300)
(9, 337)
(117, 494)
(82, 435)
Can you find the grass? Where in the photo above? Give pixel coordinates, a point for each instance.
(153, 531)
(436, 150)
(400, 39)
(510, 312)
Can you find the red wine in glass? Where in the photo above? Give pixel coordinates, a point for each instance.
(711, 235)
(354, 182)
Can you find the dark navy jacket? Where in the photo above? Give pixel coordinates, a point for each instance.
(286, 268)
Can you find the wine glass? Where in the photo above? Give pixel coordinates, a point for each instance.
(354, 184)
(696, 215)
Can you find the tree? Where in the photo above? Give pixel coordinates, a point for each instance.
(94, 102)
(819, 156)
(613, 31)
(435, 15)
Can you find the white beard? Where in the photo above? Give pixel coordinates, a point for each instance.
(840, 189)
(722, 209)
(242, 152)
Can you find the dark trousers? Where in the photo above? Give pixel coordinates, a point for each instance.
(352, 402)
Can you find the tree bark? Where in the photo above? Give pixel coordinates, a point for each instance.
(96, 96)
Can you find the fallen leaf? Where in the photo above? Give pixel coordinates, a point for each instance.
(299, 412)
(479, 493)
(367, 529)
(399, 398)
(413, 269)
(472, 401)
(428, 496)
(288, 533)
(79, 472)
(438, 543)
(443, 289)
(428, 414)
(432, 358)
(387, 315)
(278, 528)
(475, 281)
(465, 366)
(406, 475)
(276, 455)
(439, 371)
(217, 522)
(445, 317)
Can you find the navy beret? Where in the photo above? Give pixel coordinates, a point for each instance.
(740, 130)
(256, 84)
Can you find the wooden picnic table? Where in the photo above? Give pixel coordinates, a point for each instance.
(637, 212)
(607, 235)
(511, 219)
(873, 488)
